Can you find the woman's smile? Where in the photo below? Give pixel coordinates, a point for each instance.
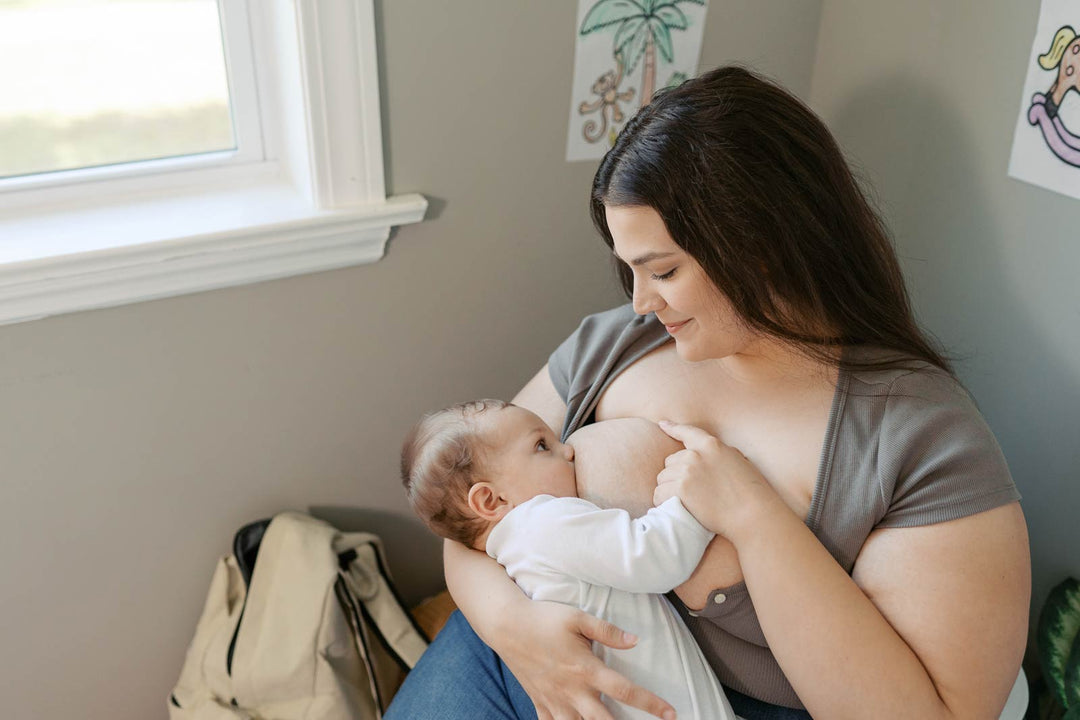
(673, 328)
(668, 283)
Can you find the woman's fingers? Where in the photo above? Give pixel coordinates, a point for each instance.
(568, 714)
(563, 703)
(618, 688)
(691, 436)
(592, 709)
(604, 632)
(603, 679)
(583, 705)
(699, 447)
(565, 682)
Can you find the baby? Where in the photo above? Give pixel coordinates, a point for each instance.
(495, 477)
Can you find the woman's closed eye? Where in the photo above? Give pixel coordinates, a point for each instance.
(666, 276)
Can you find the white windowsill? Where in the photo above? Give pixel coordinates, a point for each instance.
(83, 259)
(315, 200)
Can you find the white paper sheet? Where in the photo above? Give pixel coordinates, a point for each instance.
(1046, 142)
(623, 48)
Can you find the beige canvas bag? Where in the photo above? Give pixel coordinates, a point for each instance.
(301, 622)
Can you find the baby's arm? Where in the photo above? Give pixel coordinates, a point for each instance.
(617, 462)
(650, 554)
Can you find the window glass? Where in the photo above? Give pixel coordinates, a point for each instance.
(85, 83)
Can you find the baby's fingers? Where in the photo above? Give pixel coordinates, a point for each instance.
(663, 493)
(682, 457)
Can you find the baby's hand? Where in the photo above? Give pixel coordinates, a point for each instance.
(715, 482)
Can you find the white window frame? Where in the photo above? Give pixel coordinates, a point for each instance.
(236, 30)
(313, 200)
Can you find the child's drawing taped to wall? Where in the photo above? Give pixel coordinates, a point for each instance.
(1046, 142)
(626, 50)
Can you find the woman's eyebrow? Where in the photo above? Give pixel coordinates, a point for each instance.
(646, 258)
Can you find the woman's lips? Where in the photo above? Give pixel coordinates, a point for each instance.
(674, 327)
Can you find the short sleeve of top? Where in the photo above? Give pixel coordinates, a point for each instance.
(603, 345)
(937, 459)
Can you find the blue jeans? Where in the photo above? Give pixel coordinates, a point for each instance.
(461, 678)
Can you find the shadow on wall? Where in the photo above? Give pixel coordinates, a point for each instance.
(413, 552)
(961, 268)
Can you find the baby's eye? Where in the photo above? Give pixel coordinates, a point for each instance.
(542, 445)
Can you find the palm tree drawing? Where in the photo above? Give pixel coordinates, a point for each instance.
(640, 26)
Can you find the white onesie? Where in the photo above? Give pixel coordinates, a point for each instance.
(569, 550)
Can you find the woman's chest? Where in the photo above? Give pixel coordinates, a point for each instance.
(781, 430)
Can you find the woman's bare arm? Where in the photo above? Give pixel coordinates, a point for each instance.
(540, 396)
(932, 623)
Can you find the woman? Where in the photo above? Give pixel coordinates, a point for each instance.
(872, 558)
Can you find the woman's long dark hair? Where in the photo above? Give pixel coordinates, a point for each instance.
(752, 185)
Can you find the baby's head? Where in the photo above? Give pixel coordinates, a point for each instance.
(468, 465)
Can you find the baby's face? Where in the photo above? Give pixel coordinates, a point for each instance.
(526, 458)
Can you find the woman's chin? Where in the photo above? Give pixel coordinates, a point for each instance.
(688, 353)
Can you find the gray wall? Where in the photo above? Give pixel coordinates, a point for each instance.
(924, 96)
(135, 440)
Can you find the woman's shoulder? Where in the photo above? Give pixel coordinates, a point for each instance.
(600, 341)
(882, 373)
(936, 457)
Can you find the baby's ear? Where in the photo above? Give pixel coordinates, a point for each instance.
(485, 501)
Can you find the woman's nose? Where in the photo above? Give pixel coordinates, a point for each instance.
(644, 300)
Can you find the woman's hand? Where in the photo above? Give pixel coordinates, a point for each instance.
(716, 483)
(551, 656)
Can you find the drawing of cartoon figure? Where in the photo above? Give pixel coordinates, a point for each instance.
(641, 27)
(1064, 55)
(607, 87)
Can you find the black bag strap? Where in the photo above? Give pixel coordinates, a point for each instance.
(352, 612)
(387, 636)
(246, 544)
(246, 547)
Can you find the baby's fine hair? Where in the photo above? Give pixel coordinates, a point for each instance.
(440, 460)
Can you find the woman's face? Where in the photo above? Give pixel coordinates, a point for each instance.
(671, 284)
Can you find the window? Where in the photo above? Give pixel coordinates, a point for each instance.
(279, 170)
(102, 82)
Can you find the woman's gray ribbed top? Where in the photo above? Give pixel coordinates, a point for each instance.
(903, 448)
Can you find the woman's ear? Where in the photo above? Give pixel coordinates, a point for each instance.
(485, 501)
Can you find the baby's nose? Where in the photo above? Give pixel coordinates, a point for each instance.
(569, 452)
